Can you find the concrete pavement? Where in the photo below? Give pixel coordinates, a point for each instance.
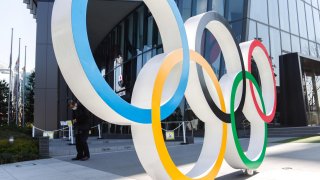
(52, 169)
(283, 161)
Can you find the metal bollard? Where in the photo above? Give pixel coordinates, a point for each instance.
(99, 129)
(71, 135)
(33, 131)
(184, 132)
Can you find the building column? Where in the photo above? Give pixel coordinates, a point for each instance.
(46, 80)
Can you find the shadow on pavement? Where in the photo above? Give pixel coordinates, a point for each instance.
(126, 163)
(236, 175)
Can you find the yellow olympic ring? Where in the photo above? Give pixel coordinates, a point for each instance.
(173, 59)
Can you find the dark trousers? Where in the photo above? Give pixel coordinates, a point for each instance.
(81, 143)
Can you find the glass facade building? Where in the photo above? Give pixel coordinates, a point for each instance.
(286, 26)
(121, 50)
(136, 39)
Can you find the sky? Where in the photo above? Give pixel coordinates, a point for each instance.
(14, 14)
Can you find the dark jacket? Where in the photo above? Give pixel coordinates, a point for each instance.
(82, 118)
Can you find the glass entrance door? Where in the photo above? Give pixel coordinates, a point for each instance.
(311, 83)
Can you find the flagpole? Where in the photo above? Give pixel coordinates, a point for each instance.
(24, 85)
(10, 74)
(17, 90)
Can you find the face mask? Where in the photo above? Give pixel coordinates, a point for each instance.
(75, 107)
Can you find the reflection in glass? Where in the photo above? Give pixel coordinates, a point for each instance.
(293, 16)
(258, 11)
(317, 24)
(286, 42)
(140, 23)
(295, 43)
(316, 79)
(313, 49)
(302, 19)
(212, 53)
(252, 30)
(315, 3)
(275, 50)
(284, 19)
(263, 33)
(304, 47)
(218, 6)
(237, 30)
(274, 13)
(201, 6)
(310, 23)
(234, 9)
(150, 31)
(121, 38)
(311, 84)
(185, 8)
(130, 35)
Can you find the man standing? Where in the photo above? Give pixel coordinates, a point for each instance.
(81, 129)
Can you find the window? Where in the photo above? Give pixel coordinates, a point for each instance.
(252, 30)
(159, 39)
(218, 6)
(258, 11)
(275, 49)
(201, 6)
(286, 42)
(150, 31)
(130, 30)
(185, 9)
(295, 44)
(310, 23)
(213, 54)
(275, 43)
(294, 28)
(302, 19)
(315, 3)
(264, 35)
(234, 9)
(237, 30)
(304, 47)
(284, 19)
(273, 13)
(140, 34)
(121, 38)
(318, 48)
(313, 49)
(317, 24)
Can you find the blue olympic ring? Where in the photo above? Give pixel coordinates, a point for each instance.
(133, 113)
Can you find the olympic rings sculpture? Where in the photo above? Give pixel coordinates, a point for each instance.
(164, 81)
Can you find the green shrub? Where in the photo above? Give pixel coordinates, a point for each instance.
(7, 131)
(23, 148)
